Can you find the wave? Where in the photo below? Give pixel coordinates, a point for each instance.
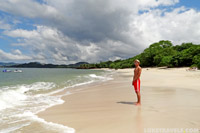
(11, 96)
(103, 78)
(23, 102)
(48, 125)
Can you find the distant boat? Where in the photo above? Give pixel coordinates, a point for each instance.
(5, 70)
(17, 71)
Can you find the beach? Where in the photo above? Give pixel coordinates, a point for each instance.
(169, 97)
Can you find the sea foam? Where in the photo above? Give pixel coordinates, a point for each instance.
(21, 103)
(11, 96)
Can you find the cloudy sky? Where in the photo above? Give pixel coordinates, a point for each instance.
(69, 31)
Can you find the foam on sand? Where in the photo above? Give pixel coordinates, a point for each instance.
(21, 103)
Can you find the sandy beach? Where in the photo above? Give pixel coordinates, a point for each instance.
(170, 99)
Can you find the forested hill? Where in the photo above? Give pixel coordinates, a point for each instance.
(162, 53)
(39, 65)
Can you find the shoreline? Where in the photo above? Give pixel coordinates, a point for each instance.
(110, 105)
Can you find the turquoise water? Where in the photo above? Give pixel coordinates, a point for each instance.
(23, 95)
(31, 75)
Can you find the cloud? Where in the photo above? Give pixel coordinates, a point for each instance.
(46, 44)
(27, 8)
(179, 25)
(4, 25)
(15, 56)
(21, 33)
(93, 31)
(84, 20)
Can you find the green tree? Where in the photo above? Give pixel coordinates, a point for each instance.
(166, 61)
(198, 65)
(196, 59)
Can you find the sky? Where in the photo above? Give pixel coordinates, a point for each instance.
(70, 31)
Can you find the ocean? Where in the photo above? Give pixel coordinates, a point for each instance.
(23, 95)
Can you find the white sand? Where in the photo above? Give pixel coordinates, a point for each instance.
(170, 99)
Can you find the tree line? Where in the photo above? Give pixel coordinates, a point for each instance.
(162, 53)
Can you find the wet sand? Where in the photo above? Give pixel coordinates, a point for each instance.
(170, 99)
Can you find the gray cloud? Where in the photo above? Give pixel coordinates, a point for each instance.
(77, 30)
(16, 55)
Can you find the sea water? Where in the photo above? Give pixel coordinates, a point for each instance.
(23, 95)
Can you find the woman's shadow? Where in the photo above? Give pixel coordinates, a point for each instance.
(130, 103)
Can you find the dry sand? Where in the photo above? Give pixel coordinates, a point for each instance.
(170, 99)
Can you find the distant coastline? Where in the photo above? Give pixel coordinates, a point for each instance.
(39, 65)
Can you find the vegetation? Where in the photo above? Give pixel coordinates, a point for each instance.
(159, 54)
(4, 64)
(39, 65)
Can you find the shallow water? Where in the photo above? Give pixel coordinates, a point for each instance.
(23, 95)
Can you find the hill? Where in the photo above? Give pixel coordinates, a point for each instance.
(3, 64)
(40, 65)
